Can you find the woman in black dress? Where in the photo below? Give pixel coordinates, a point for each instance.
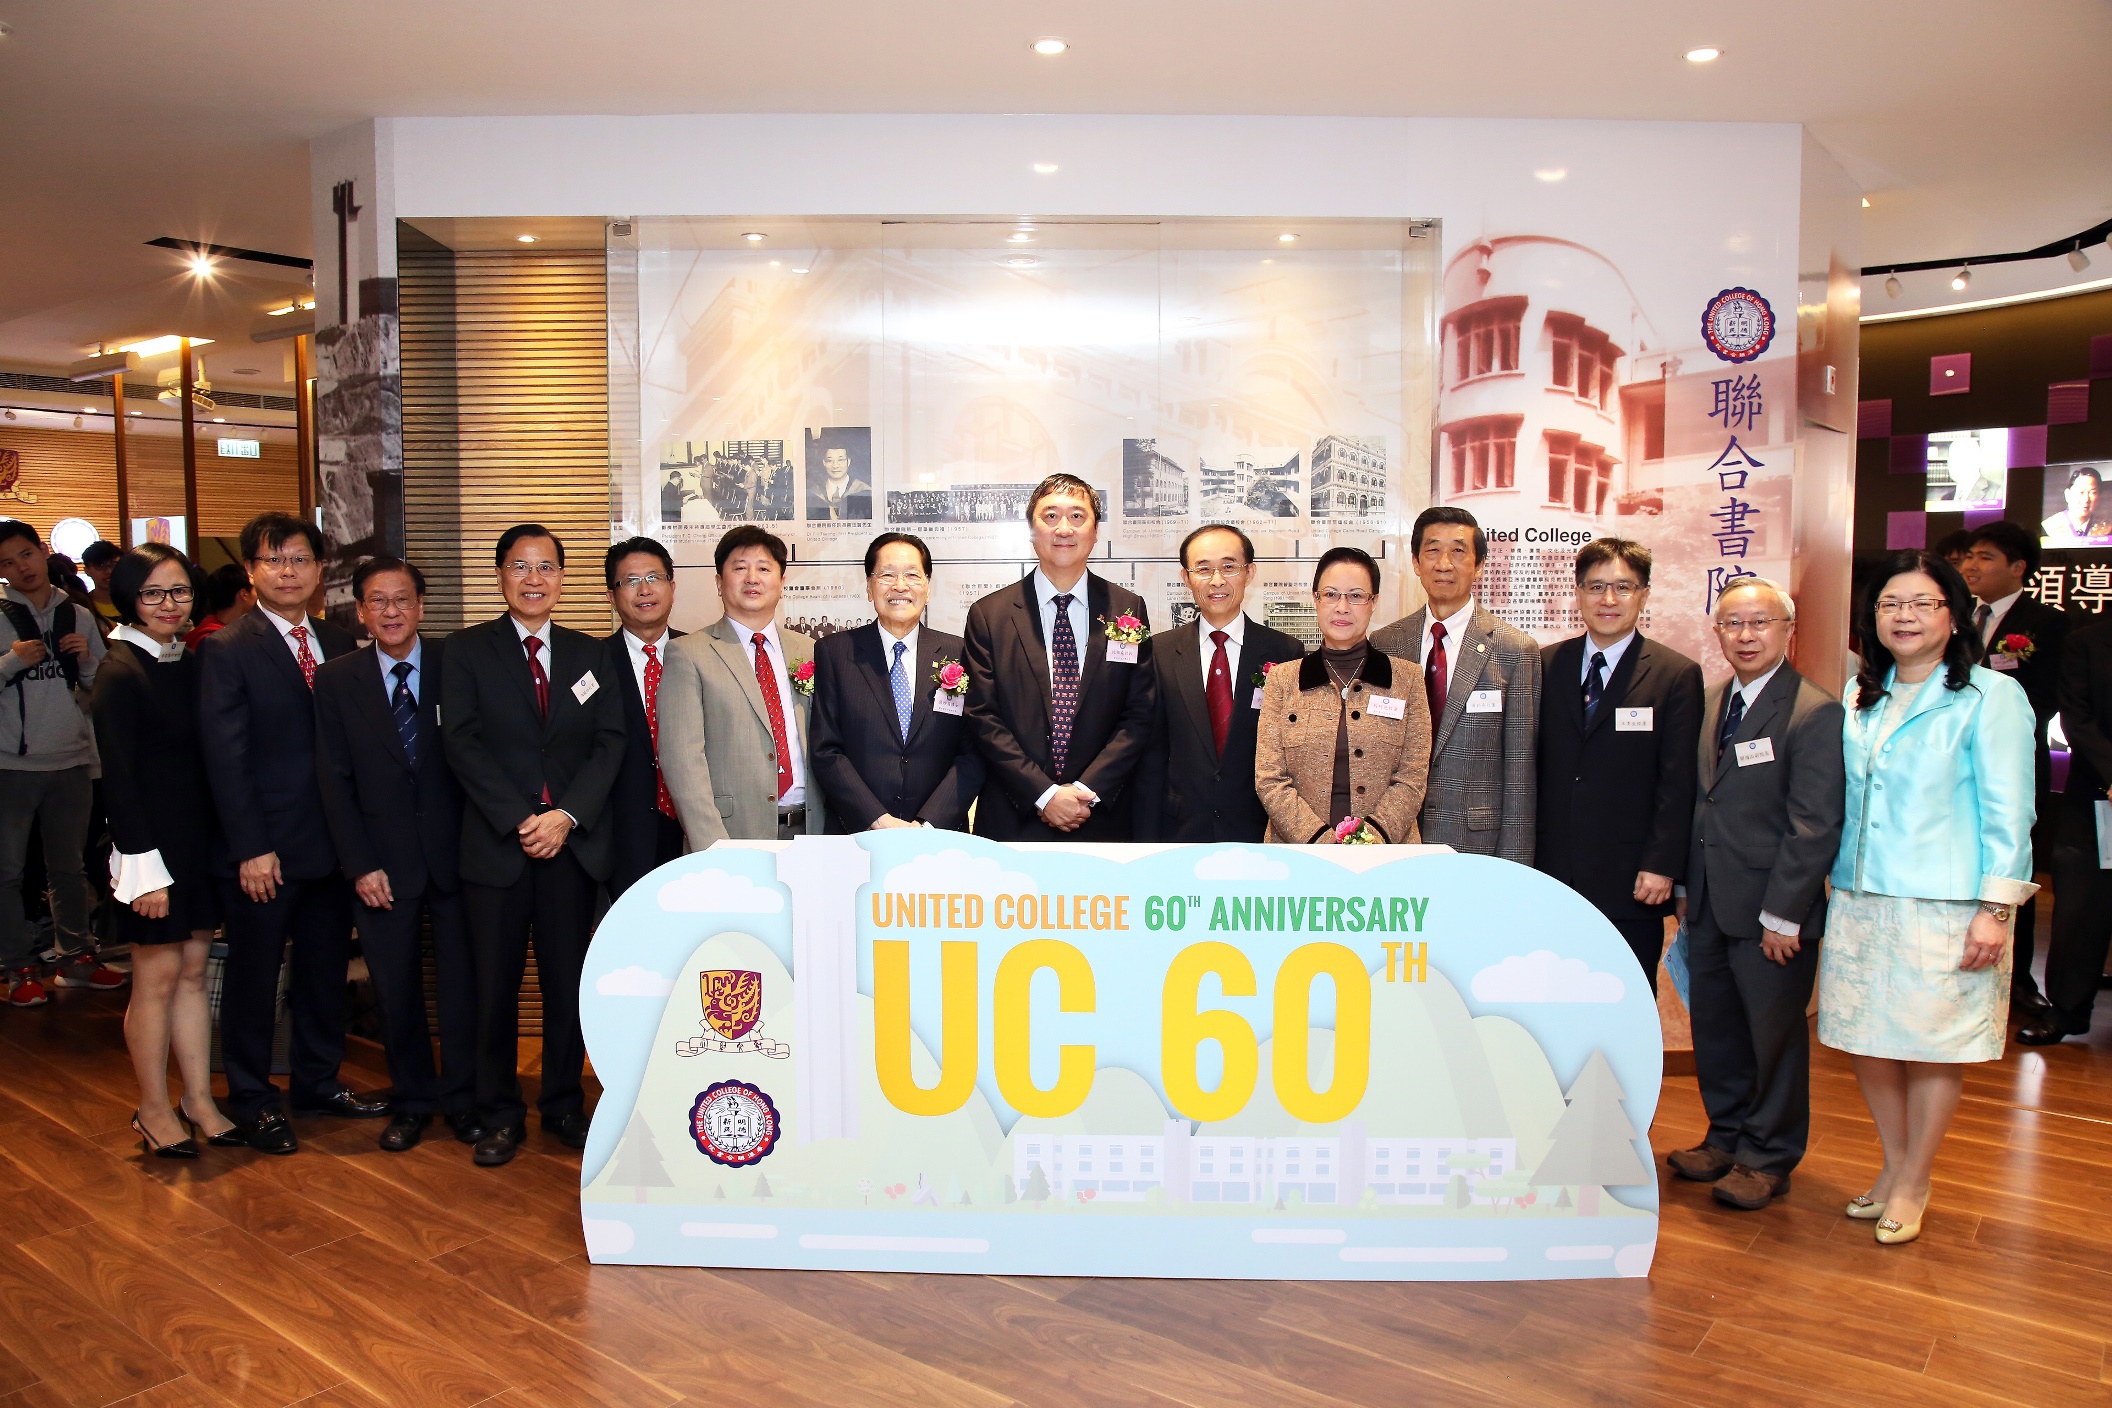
(154, 788)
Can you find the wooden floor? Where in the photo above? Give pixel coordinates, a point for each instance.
(345, 1276)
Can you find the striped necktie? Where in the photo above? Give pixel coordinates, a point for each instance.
(405, 708)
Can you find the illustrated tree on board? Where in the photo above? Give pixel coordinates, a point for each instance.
(636, 1163)
(762, 1186)
(1037, 1189)
(1594, 1141)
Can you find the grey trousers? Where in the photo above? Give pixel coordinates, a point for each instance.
(1752, 1047)
(58, 803)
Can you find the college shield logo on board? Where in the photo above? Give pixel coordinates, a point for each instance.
(734, 1123)
(1738, 325)
(733, 1012)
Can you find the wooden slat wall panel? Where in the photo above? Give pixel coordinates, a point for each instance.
(73, 473)
(505, 420)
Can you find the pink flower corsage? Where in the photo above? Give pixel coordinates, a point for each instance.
(951, 677)
(803, 677)
(1356, 831)
(1126, 630)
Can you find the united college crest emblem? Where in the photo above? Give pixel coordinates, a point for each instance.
(1738, 325)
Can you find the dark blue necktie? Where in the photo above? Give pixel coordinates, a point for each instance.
(1733, 711)
(1063, 659)
(405, 708)
(1594, 686)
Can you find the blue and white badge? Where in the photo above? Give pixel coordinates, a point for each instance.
(1738, 325)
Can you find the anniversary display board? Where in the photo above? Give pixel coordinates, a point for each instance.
(920, 1051)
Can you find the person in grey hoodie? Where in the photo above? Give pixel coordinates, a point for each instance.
(49, 650)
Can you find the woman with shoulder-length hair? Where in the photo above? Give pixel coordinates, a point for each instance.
(1935, 856)
(1345, 733)
(154, 789)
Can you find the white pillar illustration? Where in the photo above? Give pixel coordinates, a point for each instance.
(824, 873)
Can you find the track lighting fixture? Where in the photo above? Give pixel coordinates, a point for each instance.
(1891, 285)
(1961, 280)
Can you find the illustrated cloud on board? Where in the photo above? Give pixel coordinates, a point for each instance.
(1241, 865)
(1542, 976)
(634, 981)
(717, 892)
(957, 873)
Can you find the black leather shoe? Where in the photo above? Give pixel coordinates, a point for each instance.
(344, 1105)
(468, 1126)
(271, 1134)
(403, 1133)
(498, 1145)
(2047, 1031)
(569, 1130)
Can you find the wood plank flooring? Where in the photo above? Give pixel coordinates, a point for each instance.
(344, 1277)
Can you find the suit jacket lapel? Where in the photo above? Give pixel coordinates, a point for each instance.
(1032, 644)
(922, 683)
(513, 659)
(733, 654)
(1184, 651)
(1630, 672)
(381, 714)
(1092, 651)
(282, 651)
(874, 651)
(1564, 677)
(1780, 691)
(1463, 671)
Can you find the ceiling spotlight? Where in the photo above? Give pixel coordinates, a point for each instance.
(1021, 237)
(1961, 279)
(1892, 285)
(526, 239)
(1706, 54)
(219, 420)
(1049, 48)
(1286, 239)
(1022, 261)
(1551, 174)
(5, 30)
(2077, 260)
(1866, 202)
(9, 414)
(753, 237)
(201, 267)
(1044, 168)
(76, 422)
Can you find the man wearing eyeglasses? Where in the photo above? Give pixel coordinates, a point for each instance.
(890, 734)
(534, 726)
(278, 867)
(1767, 823)
(640, 574)
(1196, 780)
(1620, 717)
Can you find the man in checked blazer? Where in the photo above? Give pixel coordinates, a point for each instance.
(1482, 676)
(1767, 822)
(736, 759)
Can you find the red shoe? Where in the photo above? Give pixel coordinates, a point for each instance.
(23, 989)
(88, 973)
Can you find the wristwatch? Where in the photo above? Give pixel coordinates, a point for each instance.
(1998, 912)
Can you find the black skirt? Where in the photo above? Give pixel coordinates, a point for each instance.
(194, 905)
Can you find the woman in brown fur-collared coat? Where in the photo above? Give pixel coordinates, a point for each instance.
(1346, 731)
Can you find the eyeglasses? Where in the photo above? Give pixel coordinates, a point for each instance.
(890, 580)
(155, 596)
(631, 584)
(1618, 590)
(533, 569)
(1738, 626)
(1914, 606)
(1328, 596)
(390, 605)
(1218, 574)
(294, 562)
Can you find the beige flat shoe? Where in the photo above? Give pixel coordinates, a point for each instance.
(1863, 1208)
(1892, 1232)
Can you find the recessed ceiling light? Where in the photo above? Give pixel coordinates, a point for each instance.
(1050, 47)
(1020, 237)
(219, 420)
(1551, 173)
(799, 271)
(89, 409)
(753, 237)
(155, 346)
(1866, 202)
(201, 267)
(1044, 168)
(777, 263)
(1706, 54)
(526, 239)
(1022, 261)
(1286, 239)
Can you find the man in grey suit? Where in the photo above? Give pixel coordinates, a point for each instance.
(1483, 678)
(733, 708)
(1767, 822)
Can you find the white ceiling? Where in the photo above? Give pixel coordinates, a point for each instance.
(1974, 128)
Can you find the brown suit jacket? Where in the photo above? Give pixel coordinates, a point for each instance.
(1294, 757)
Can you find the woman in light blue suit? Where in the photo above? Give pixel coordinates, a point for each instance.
(1935, 856)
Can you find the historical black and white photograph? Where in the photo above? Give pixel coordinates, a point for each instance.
(1153, 486)
(1249, 484)
(1349, 476)
(732, 481)
(967, 503)
(839, 474)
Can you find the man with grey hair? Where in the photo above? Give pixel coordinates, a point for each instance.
(1767, 822)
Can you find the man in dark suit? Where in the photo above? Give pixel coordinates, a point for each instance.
(645, 833)
(395, 814)
(1999, 560)
(2082, 890)
(534, 727)
(1767, 824)
(890, 739)
(1195, 781)
(1060, 711)
(1620, 717)
(278, 870)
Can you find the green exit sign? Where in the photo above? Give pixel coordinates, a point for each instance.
(231, 449)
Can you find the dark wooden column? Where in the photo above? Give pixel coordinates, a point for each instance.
(124, 476)
(304, 421)
(190, 454)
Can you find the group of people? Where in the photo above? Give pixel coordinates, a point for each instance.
(281, 783)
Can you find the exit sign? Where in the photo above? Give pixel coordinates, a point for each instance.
(240, 449)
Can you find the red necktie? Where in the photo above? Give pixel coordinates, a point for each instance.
(303, 655)
(1437, 675)
(1219, 693)
(663, 800)
(766, 679)
(542, 689)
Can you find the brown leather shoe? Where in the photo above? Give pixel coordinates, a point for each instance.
(1749, 1189)
(1704, 1163)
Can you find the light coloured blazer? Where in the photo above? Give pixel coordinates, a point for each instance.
(1483, 770)
(1294, 756)
(716, 752)
(1941, 810)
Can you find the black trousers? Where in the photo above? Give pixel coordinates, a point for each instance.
(316, 916)
(552, 905)
(663, 836)
(2023, 986)
(1647, 938)
(389, 939)
(2082, 925)
(1752, 1045)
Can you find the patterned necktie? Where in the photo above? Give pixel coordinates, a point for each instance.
(766, 680)
(535, 672)
(302, 655)
(662, 798)
(1219, 692)
(1733, 711)
(1437, 674)
(1063, 696)
(405, 708)
(1595, 686)
(898, 680)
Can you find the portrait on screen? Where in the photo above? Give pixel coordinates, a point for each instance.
(1968, 470)
(2077, 506)
(839, 474)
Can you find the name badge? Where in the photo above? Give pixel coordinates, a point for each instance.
(584, 687)
(1635, 720)
(1121, 652)
(1257, 696)
(1485, 701)
(1387, 707)
(2001, 662)
(1760, 750)
(944, 703)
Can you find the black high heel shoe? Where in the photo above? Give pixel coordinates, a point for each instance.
(181, 1149)
(229, 1138)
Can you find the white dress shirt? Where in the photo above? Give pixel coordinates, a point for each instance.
(796, 796)
(286, 628)
(909, 657)
(1613, 654)
(1456, 629)
(1045, 594)
(634, 649)
(414, 680)
(1235, 639)
(1996, 611)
